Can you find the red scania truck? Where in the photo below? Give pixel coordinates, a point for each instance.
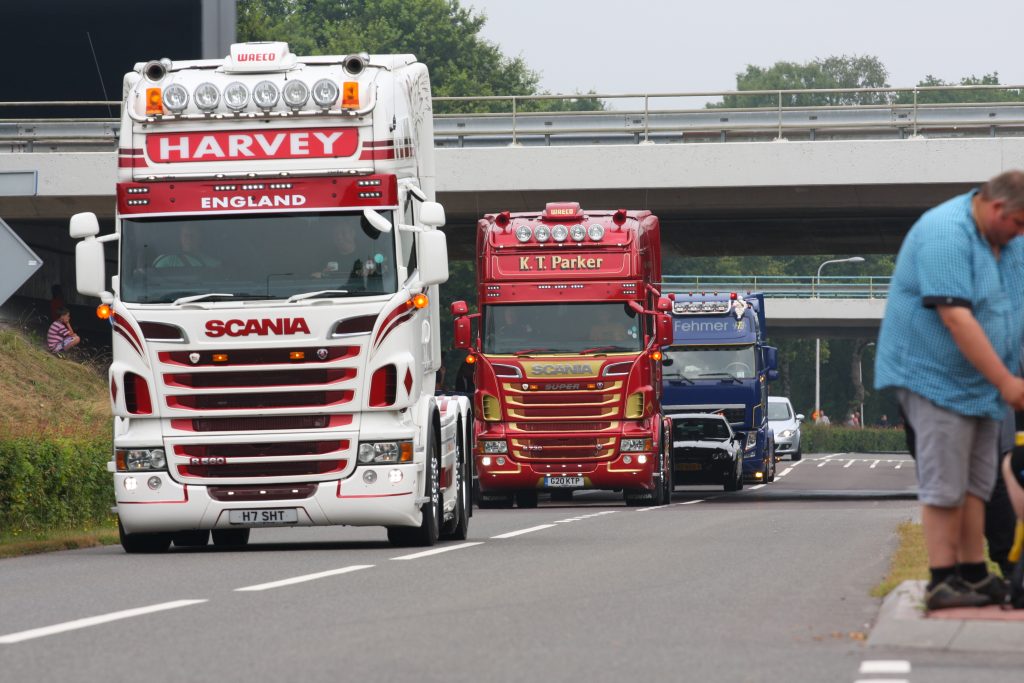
(275, 307)
(566, 352)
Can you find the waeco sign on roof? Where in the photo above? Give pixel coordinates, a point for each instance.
(297, 143)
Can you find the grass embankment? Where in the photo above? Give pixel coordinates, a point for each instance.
(55, 429)
(909, 562)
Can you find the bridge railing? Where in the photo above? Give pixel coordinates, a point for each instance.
(822, 114)
(783, 286)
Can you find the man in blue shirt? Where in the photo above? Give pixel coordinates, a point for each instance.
(951, 331)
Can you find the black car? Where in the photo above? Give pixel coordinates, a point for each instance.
(705, 450)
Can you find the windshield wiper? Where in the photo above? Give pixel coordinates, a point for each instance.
(605, 349)
(679, 378)
(323, 293)
(202, 297)
(726, 376)
(527, 352)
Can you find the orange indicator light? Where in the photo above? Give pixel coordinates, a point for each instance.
(470, 359)
(405, 451)
(103, 311)
(655, 355)
(296, 355)
(154, 101)
(420, 301)
(220, 358)
(350, 95)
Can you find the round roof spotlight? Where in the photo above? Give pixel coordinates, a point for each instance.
(559, 233)
(236, 96)
(595, 231)
(175, 98)
(578, 233)
(542, 233)
(523, 233)
(296, 94)
(265, 95)
(325, 93)
(207, 97)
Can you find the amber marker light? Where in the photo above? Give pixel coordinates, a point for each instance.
(154, 101)
(405, 449)
(220, 358)
(103, 312)
(470, 359)
(296, 355)
(420, 301)
(656, 355)
(350, 95)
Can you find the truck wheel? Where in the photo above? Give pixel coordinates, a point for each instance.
(458, 528)
(772, 467)
(195, 538)
(429, 529)
(669, 478)
(143, 543)
(526, 499)
(230, 538)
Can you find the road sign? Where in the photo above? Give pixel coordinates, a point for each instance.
(17, 262)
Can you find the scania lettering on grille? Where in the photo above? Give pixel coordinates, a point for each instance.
(262, 327)
(561, 369)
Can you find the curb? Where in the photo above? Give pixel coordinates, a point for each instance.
(902, 623)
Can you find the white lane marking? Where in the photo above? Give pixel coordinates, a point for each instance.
(754, 488)
(785, 471)
(899, 465)
(93, 621)
(881, 680)
(510, 534)
(798, 462)
(885, 666)
(822, 463)
(437, 551)
(690, 502)
(832, 455)
(304, 578)
(849, 463)
(874, 464)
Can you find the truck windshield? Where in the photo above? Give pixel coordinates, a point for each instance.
(255, 256)
(561, 328)
(710, 362)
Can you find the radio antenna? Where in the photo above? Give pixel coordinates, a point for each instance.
(99, 73)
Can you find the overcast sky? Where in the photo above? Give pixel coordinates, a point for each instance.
(620, 46)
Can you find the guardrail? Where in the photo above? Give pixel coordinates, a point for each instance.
(783, 286)
(859, 113)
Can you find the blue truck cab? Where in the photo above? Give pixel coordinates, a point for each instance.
(719, 362)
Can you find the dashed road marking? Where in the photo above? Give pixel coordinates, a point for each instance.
(849, 464)
(94, 621)
(875, 464)
(520, 532)
(304, 578)
(758, 486)
(437, 551)
(785, 471)
(885, 666)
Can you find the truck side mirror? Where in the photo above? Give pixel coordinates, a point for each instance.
(432, 214)
(463, 333)
(459, 308)
(433, 257)
(771, 359)
(664, 304)
(663, 325)
(90, 263)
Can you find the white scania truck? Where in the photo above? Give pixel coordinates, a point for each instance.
(275, 307)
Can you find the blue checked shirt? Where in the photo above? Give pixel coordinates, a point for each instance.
(945, 260)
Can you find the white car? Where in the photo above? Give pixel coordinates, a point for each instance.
(786, 426)
(705, 450)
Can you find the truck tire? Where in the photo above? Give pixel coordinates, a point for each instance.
(230, 538)
(194, 538)
(427, 533)
(458, 528)
(143, 543)
(527, 498)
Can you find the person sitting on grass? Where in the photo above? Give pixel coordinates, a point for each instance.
(60, 337)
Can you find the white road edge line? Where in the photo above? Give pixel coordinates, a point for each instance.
(510, 534)
(437, 551)
(94, 621)
(881, 680)
(304, 578)
(758, 486)
(885, 666)
(690, 502)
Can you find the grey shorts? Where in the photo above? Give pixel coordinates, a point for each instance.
(956, 454)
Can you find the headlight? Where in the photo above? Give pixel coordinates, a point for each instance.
(634, 445)
(296, 94)
(236, 96)
(751, 441)
(141, 460)
(265, 95)
(495, 446)
(176, 98)
(378, 452)
(786, 433)
(207, 96)
(325, 93)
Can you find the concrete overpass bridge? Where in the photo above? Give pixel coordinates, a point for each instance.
(785, 180)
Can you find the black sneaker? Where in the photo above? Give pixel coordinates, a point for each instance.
(992, 587)
(953, 592)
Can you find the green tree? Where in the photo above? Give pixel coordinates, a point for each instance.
(442, 34)
(832, 72)
(954, 94)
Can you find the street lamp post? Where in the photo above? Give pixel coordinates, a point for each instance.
(817, 340)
